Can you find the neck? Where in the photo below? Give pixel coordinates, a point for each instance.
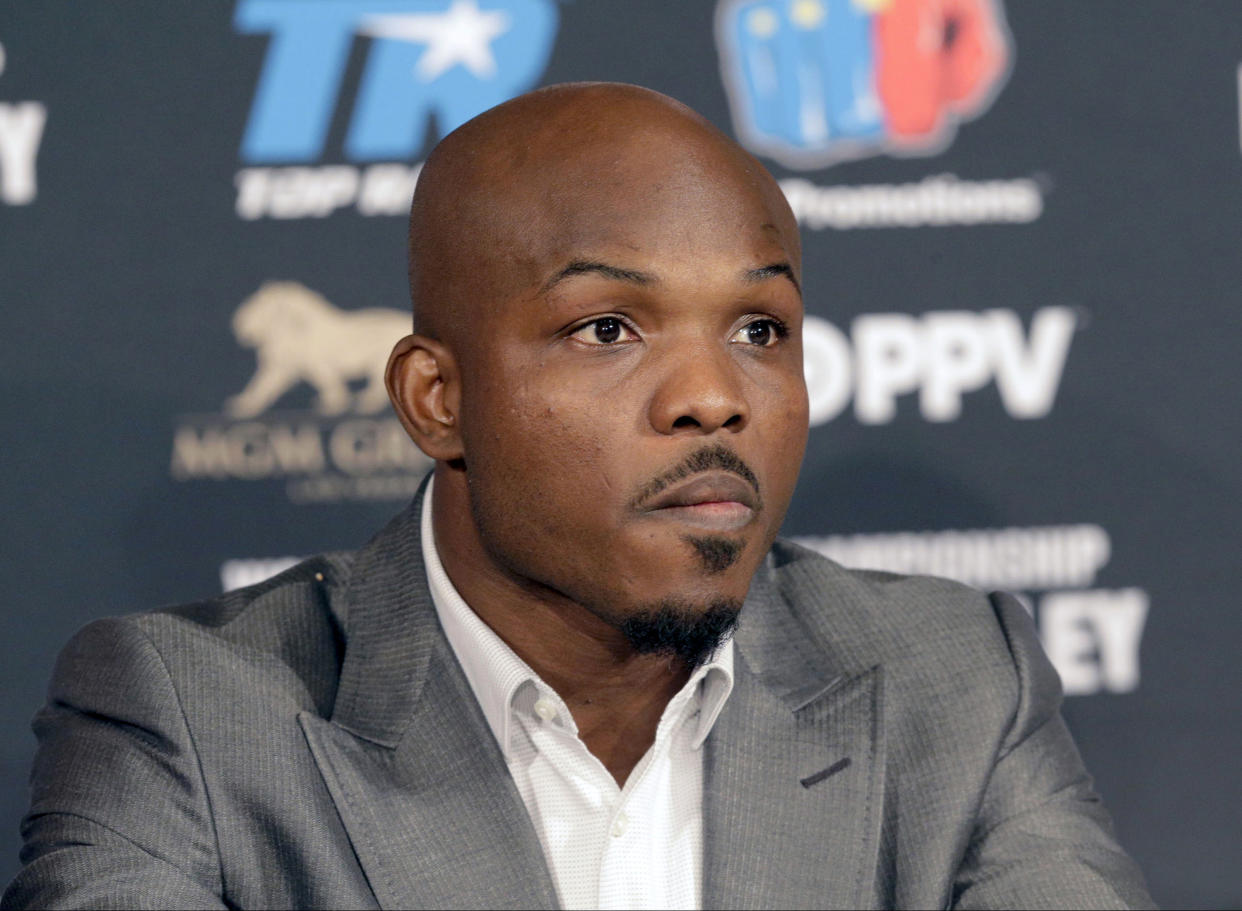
(616, 695)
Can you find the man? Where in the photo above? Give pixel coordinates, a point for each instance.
(527, 690)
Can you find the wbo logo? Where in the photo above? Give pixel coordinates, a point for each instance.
(815, 82)
(447, 59)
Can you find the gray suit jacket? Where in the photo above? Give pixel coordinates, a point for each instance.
(312, 742)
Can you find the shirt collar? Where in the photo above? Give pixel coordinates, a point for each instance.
(494, 670)
(717, 682)
(496, 673)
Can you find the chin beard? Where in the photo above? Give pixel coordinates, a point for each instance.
(682, 629)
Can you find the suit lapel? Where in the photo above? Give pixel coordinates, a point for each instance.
(794, 771)
(435, 822)
(408, 758)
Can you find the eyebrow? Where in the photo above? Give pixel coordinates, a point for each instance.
(763, 273)
(584, 267)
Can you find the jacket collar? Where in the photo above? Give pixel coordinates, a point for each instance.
(392, 633)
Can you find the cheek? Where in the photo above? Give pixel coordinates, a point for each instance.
(534, 455)
(546, 489)
(796, 418)
(535, 426)
(782, 427)
(778, 399)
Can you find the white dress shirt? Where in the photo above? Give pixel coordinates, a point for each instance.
(640, 846)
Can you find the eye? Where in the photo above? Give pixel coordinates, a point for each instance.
(607, 330)
(763, 333)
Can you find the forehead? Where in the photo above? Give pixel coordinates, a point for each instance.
(653, 200)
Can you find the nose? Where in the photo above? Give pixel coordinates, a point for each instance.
(700, 394)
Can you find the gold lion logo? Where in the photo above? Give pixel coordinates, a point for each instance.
(298, 336)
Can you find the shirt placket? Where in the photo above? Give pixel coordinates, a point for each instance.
(576, 795)
(623, 868)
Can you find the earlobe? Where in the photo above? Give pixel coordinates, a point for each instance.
(422, 382)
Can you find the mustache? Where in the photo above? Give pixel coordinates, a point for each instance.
(714, 457)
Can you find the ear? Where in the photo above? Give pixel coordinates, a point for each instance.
(425, 389)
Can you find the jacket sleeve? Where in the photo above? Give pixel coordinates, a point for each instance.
(119, 815)
(1042, 838)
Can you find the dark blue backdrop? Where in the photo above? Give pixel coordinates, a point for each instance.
(1021, 256)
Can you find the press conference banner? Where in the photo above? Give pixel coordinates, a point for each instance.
(1021, 224)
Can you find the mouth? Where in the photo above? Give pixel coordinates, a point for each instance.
(714, 500)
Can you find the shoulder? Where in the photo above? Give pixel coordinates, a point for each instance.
(934, 637)
(284, 636)
(876, 607)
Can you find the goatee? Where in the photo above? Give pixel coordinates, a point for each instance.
(682, 630)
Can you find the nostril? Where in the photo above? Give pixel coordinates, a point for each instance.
(733, 421)
(685, 421)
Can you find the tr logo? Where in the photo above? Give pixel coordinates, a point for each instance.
(451, 59)
(298, 336)
(814, 82)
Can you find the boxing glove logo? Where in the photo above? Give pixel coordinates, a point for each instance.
(814, 82)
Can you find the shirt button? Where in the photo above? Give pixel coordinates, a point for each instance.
(545, 708)
(619, 825)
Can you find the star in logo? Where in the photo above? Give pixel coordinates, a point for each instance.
(462, 34)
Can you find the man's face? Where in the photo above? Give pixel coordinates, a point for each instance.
(633, 419)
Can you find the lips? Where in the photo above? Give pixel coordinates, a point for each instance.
(715, 500)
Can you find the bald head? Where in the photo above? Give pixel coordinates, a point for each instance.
(528, 184)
